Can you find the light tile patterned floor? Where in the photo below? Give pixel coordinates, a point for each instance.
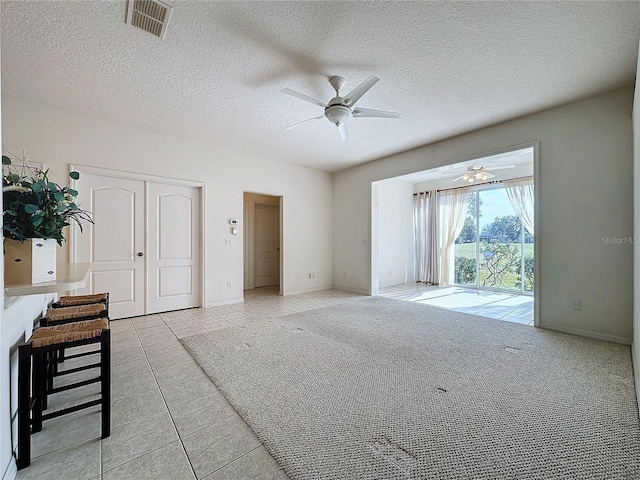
(484, 303)
(169, 422)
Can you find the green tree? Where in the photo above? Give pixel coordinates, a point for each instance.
(500, 260)
(472, 205)
(468, 233)
(529, 274)
(465, 270)
(503, 229)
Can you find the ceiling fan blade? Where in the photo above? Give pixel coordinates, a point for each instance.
(354, 95)
(304, 121)
(502, 167)
(489, 175)
(304, 97)
(344, 133)
(369, 112)
(459, 178)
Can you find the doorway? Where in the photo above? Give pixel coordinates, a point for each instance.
(491, 256)
(145, 247)
(262, 241)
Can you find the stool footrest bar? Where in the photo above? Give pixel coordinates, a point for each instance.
(77, 369)
(83, 354)
(64, 388)
(75, 408)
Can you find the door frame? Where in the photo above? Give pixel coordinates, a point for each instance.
(374, 285)
(143, 177)
(248, 240)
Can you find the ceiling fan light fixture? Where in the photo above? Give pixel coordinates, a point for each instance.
(337, 114)
(473, 174)
(339, 109)
(477, 172)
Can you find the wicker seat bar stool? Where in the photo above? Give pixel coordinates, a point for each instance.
(76, 313)
(75, 300)
(34, 384)
(67, 315)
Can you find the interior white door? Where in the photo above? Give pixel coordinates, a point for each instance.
(112, 244)
(267, 245)
(173, 258)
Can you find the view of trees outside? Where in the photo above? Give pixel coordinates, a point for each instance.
(498, 261)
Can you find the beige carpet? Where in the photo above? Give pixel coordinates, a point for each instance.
(383, 389)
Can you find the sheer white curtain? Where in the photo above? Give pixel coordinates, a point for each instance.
(426, 237)
(453, 207)
(520, 193)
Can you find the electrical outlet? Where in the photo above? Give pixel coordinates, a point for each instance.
(309, 274)
(228, 283)
(344, 274)
(577, 304)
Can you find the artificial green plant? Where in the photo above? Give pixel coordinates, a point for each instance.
(34, 206)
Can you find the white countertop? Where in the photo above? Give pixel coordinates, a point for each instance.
(69, 276)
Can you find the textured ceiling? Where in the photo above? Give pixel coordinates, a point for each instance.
(448, 67)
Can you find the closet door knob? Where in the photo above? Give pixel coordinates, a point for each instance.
(140, 254)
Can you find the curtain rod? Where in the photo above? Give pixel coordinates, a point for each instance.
(477, 184)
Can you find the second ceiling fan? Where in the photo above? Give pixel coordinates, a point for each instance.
(340, 109)
(478, 172)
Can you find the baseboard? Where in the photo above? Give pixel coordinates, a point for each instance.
(359, 291)
(586, 333)
(10, 471)
(635, 366)
(306, 290)
(219, 303)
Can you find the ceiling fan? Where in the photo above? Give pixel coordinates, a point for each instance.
(340, 109)
(477, 172)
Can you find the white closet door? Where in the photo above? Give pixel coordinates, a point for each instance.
(113, 243)
(173, 257)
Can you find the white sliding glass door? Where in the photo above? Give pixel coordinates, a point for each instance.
(494, 250)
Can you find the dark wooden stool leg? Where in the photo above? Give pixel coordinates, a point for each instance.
(24, 406)
(105, 375)
(51, 369)
(39, 388)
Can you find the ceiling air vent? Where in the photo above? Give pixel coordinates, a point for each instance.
(150, 15)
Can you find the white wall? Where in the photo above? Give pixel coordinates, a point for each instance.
(59, 138)
(636, 231)
(585, 185)
(395, 233)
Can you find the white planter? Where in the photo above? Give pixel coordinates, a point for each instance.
(31, 261)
